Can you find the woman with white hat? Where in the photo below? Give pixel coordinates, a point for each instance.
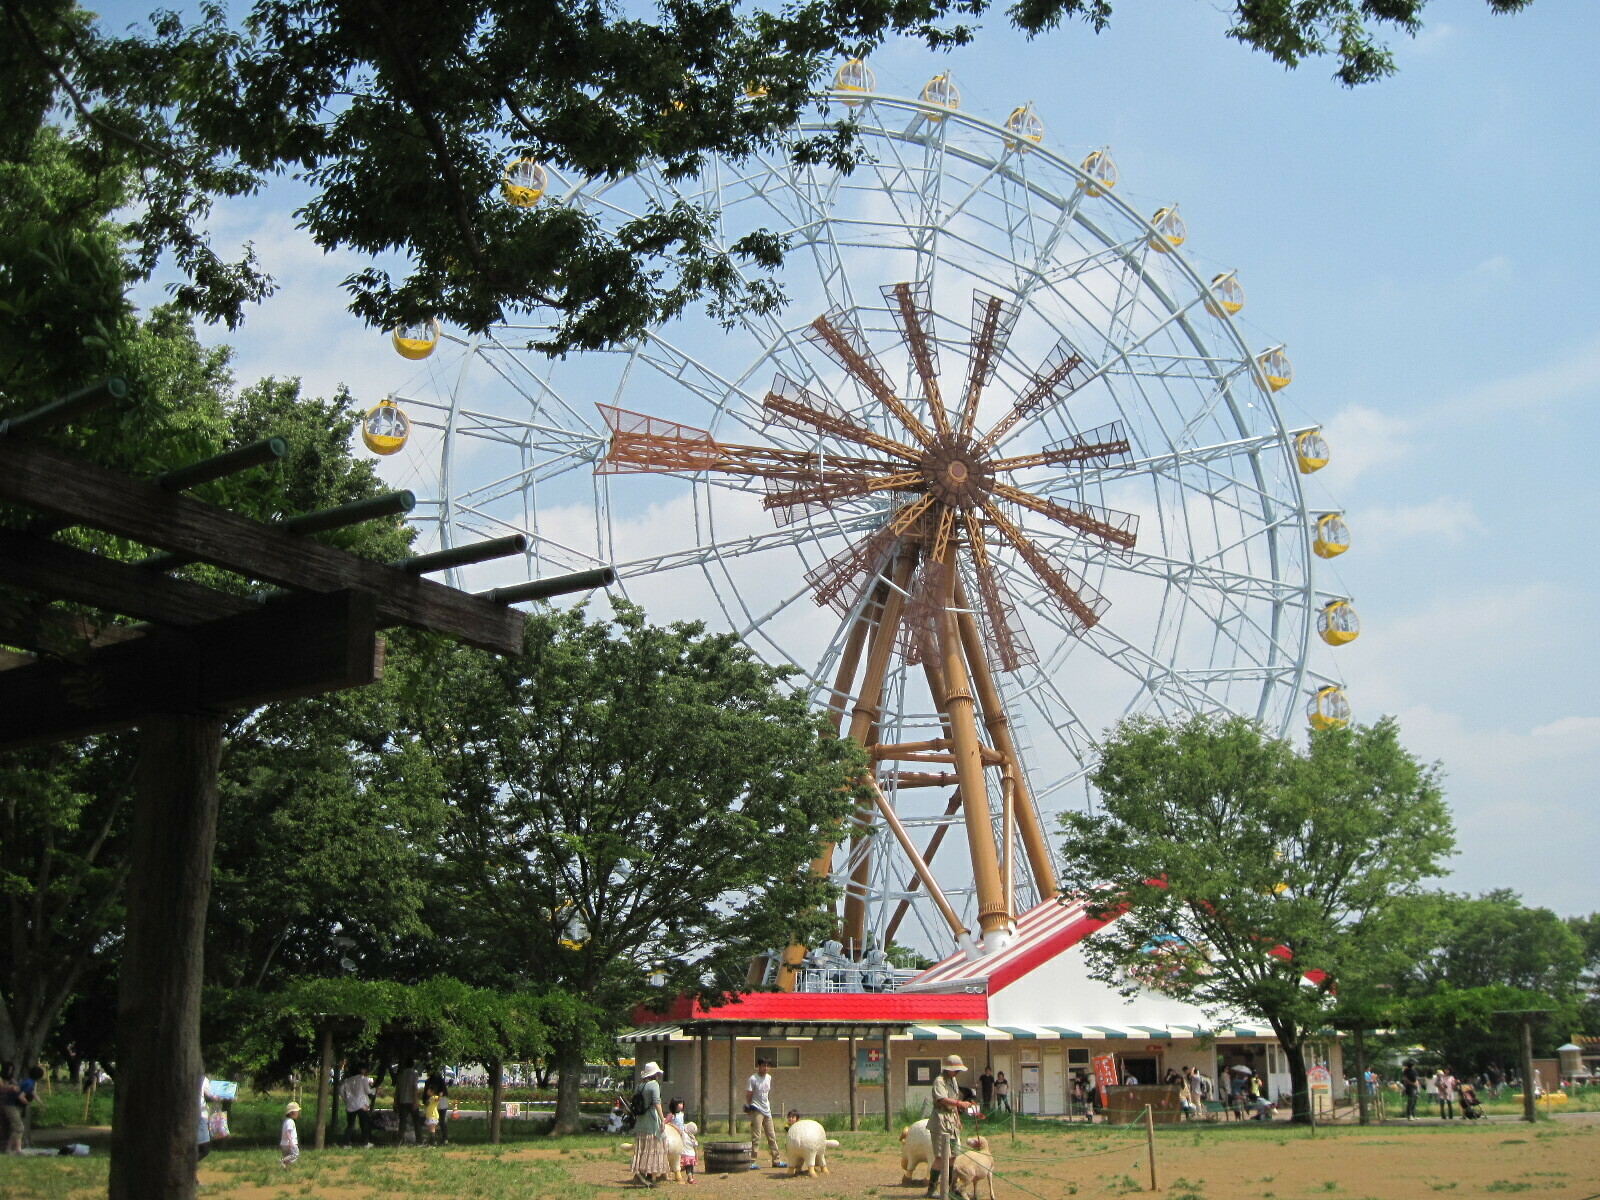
(649, 1149)
(945, 1127)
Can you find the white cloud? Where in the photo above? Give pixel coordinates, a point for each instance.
(1447, 520)
(1363, 439)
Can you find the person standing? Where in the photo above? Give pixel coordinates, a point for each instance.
(12, 1107)
(945, 1124)
(1411, 1084)
(357, 1092)
(649, 1147)
(438, 1094)
(986, 1087)
(1002, 1092)
(289, 1136)
(1444, 1090)
(758, 1103)
(407, 1115)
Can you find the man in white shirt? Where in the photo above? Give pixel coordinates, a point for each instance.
(758, 1103)
(357, 1092)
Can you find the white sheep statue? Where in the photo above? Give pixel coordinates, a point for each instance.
(808, 1144)
(916, 1149)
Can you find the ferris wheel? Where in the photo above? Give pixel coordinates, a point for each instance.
(1002, 471)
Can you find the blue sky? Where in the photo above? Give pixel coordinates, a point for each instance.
(1421, 245)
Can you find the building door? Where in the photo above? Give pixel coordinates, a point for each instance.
(1055, 1093)
(1030, 1088)
(920, 1074)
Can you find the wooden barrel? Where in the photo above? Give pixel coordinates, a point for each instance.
(724, 1157)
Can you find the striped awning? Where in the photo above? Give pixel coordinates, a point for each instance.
(968, 1032)
(655, 1033)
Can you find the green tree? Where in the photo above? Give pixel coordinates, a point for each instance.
(401, 117)
(1488, 954)
(1251, 878)
(624, 800)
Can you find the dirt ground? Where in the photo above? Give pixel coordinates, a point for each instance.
(1558, 1160)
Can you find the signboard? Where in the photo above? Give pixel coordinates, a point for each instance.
(1320, 1081)
(1105, 1074)
(869, 1067)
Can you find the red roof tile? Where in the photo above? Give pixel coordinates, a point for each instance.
(797, 1008)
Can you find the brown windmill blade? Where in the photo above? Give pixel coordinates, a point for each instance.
(911, 303)
(790, 404)
(992, 321)
(791, 501)
(1004, 634)
(840, 338)
(1080, 603)
(1062, 373)
(840, 581)
(1105, 445)
(641, 443)
(1116, 530)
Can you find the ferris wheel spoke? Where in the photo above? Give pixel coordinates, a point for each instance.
(1170, 463)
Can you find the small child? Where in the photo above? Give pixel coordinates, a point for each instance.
(430, 1116)
(691, 1150)
(676, 1115)
(289, 1138)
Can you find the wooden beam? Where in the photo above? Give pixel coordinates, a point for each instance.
(67, 573)
(295, 647)
(86, 494)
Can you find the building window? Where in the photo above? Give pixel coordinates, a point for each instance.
(1078, 1056)
(780, 1056)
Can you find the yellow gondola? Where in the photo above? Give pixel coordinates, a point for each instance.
(1226, 296)
(524, 182)
(417, 340)
(1169, 230)
(1276, 372)
(939, 90)
(1332, 537)
(1311, 449)
(1026, 125)
(1102, 173)
(385, 428)
(854, 76)
(1337, 623)
(1328, 709)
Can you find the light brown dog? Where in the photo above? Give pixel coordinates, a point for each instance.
(972, 1168)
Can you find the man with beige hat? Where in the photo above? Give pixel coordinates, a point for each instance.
(945, 1126)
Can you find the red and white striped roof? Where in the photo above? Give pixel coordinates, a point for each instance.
(1043, 932)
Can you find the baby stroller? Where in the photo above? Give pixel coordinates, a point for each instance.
(1471, 1108)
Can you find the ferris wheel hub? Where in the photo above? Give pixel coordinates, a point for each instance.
(955, 471)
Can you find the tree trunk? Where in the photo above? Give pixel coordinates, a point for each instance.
(324, 1084)
(155, 1124)
(497, 1099)
(569, 1062)
(1295, 1053)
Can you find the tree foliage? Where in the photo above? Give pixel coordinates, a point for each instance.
(1240, 867)
(624, 800)
(401, 117)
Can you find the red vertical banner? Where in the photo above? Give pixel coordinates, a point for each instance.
(1105, 1074)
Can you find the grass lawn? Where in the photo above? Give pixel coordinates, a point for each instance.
(1554, 1160)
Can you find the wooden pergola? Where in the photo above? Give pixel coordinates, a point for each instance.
(194, 654)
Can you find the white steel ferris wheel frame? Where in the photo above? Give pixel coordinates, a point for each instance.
(962, 200)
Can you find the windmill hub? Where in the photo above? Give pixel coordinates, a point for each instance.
(956, 472)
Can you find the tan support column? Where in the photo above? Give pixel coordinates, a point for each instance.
(992, 914)
(864, 719)
(1034, 843)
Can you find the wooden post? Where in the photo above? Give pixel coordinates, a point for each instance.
(154, 1135)
(497, 1099)
(704, 1118)
(733, 1119)
(1361, 1077)
(324, 1085)
(1150, 1142)
(1530, 1112)
(855, 1120)
(888, 1077)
